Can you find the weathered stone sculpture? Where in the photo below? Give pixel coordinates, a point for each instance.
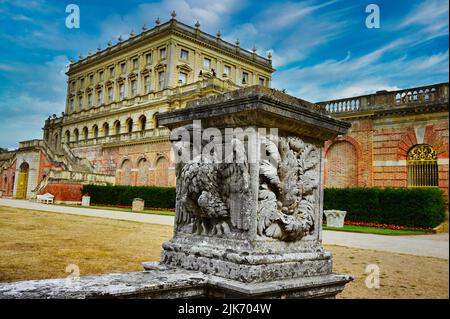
(249, 167)
(256, 218)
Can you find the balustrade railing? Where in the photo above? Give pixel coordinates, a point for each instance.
(437, 93)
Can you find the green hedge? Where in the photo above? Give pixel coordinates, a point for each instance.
(421, 207)
(157, 197)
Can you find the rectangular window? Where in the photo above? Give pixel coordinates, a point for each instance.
(244, 78)
(182, 78)
(135, 63)
(101, 75)
(147, 84)
(72, 105)
(161, 78)
(91, 79)
(80, 102)
(162, 53)
(206, 63)
(110, 94)
(123, 67)
(82, 82)
(111, 71)
(133, 88)
(100, 97)
(73, 86)
(90, 100)
(184, 54)
(261, 81)
(148, 58)
(122, 91)
(226, 71)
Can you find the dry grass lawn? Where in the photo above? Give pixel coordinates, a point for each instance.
(38, 245)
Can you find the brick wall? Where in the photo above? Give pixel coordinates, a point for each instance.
(374, 152)
(66, 192)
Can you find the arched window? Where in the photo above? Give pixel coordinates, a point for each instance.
(129, 125)
(67, 136)
(142, 122)
(143, 172)
(85, 133)
(76, 135)
(117, 127)
(125, 178)
(339, 175)
(95, 131)
(422, 166)
(105, 129)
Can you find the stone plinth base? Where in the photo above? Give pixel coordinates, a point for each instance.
(173, 283)
(246, 266)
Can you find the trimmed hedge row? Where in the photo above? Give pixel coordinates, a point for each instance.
(422, 207)
(157, 197)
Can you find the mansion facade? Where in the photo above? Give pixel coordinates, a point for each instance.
(109, 133)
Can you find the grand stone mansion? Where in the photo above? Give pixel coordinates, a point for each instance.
(109, 133)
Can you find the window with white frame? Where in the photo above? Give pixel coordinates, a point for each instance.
(182, 78)
(161, 78)
(110, 94)
(133, 88)
(206, 63)
(148, 58)
(122, 91)
(147, 84)
(162, 53)
(226, 71)
(99, 97)
(90, 100)
(244, 78)
(184, 54)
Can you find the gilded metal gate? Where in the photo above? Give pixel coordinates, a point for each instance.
(22, 181)
(422, 166)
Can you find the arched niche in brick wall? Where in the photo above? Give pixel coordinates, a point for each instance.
(342, 163)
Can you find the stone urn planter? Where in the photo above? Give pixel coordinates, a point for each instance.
(335, 218)
(86, 200)
(137, 205)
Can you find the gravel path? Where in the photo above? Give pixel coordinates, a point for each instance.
(436, 245)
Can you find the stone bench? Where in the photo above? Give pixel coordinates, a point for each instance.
(47, 198)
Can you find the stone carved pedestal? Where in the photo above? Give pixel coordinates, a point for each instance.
(255, 220)
(249, 227)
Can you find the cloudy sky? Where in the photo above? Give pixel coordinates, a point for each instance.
(321, 49)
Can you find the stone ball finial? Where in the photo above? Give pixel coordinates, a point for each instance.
(109, 43)
(269, 56)
(89, 52)
(144, 27)
(197, 25)
(218, 34)
(80, 57)
(120, 38)
(132, 33)
(71, 61)
(173, 14)
(254, 49)
(238, 43)
(157, 21)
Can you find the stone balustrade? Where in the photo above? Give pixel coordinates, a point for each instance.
(437, 93)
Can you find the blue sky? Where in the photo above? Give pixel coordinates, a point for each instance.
(321, 49)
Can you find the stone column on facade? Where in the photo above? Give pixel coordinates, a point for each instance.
(170, 71)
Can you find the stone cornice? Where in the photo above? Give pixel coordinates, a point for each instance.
(177, 28)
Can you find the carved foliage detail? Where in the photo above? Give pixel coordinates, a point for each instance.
(288, 191)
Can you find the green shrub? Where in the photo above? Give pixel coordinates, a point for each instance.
(421, 207)
(157, 197)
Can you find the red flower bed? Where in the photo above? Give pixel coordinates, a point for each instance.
(128, 206)
(388, 226)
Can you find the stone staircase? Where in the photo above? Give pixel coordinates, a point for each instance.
(75, 169)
